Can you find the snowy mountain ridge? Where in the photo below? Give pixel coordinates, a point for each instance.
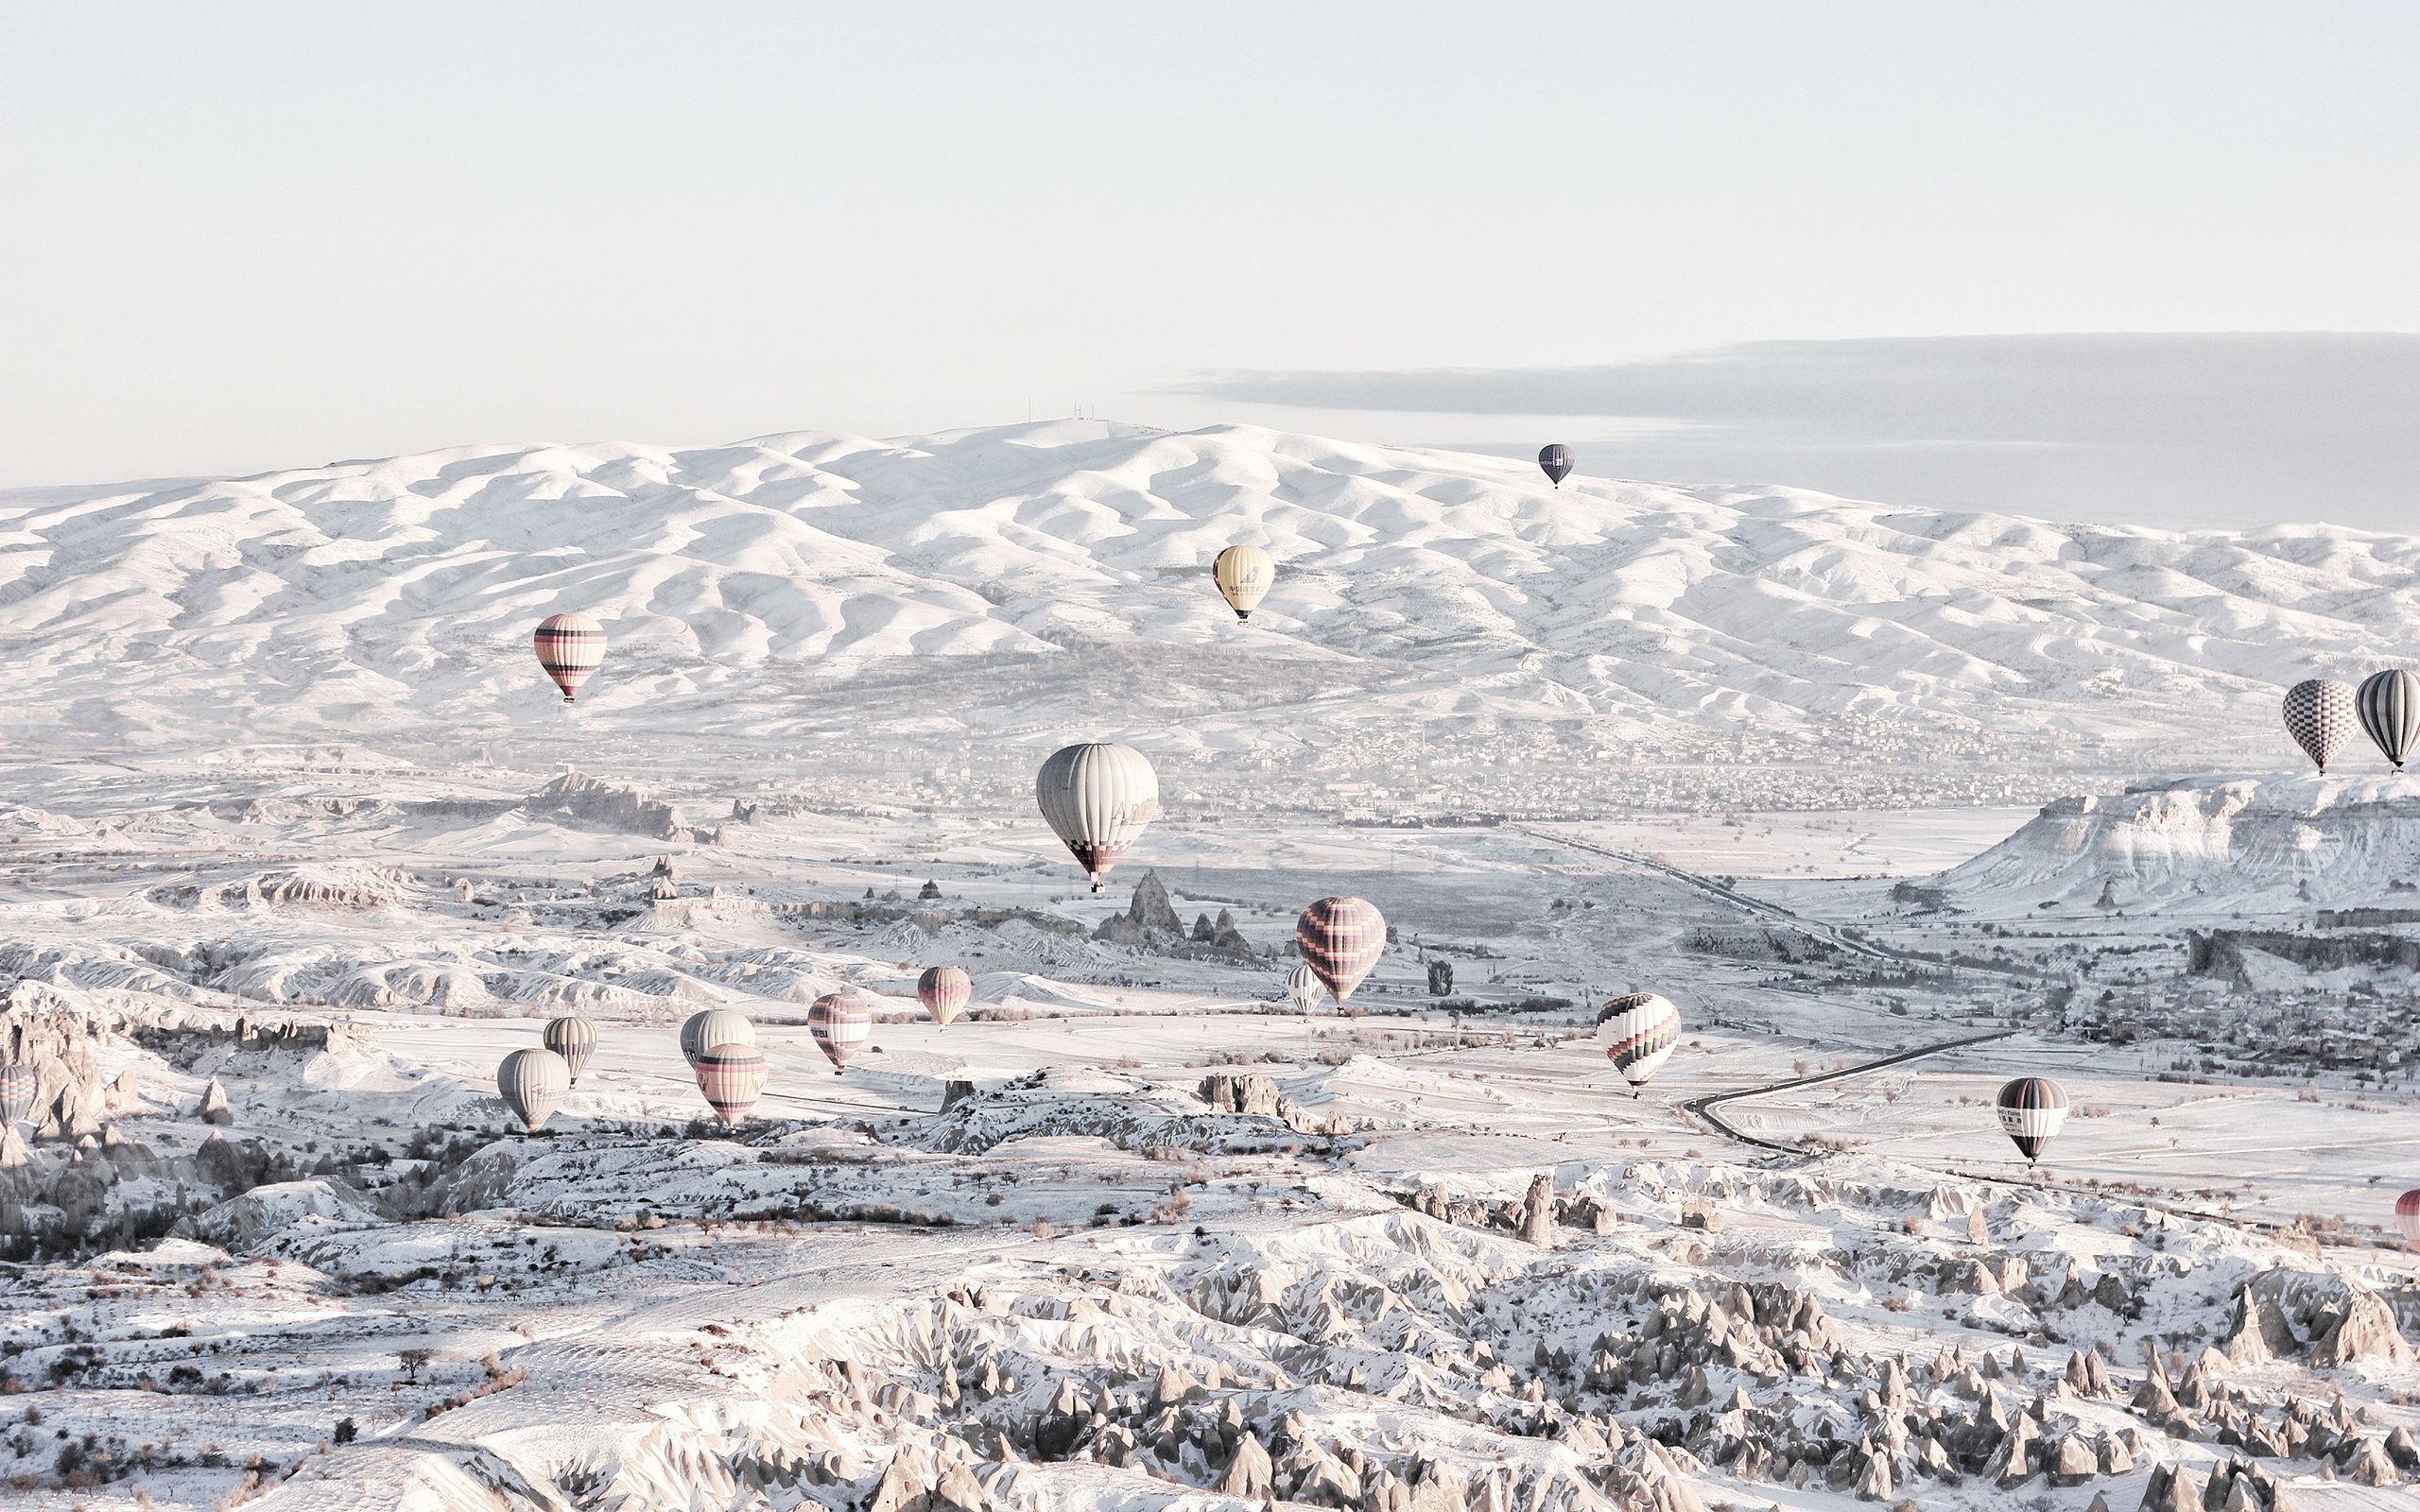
(781, 585)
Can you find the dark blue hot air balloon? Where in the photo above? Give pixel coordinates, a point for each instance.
(1556, 462)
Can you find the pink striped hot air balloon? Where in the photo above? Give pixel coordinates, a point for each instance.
(1341, 939)
(2407, 1216)
(733, 1077)
(570, 646)
(945, 991)
(17, 1084)
(839, 1022)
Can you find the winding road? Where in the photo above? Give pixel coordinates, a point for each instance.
(1704, 1107)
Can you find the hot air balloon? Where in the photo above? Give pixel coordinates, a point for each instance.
(1555, 461)
(2407, 1216)
(1097, 797)
(570, 646)
(1244, 575)
(574, 1038)
(732, 1077)
(840, 1023)
(2031, 1109)
(1341, 939)
(17, 1085)
(1638, 1031)
(1303, 989)
(944, 990)
(2390, 708)
(532, 1083)
(714, 1026)
(2320, 716)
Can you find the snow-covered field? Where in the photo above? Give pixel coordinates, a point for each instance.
(292, 860)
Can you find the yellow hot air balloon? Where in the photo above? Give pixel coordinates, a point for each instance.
(1244, 575)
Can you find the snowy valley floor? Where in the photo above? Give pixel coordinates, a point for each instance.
(1167, 1245)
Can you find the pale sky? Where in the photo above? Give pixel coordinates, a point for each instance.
(238, 236)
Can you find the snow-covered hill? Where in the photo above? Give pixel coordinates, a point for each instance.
(1016, 580)
(2210, 846)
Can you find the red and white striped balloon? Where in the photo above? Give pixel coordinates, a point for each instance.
(1341, 939)
(2407, 1216)
(945, 991)
(17, 1085)
(570, 646)
(732, 1077)
(839, 1022)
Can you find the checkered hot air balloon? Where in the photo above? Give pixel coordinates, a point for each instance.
(2389, 704)
(17, 1086)
(1638, 1031)
(714, 1026)
(572, 1037)
(1244, 575)
(839, 1022)
(2031, 1109)
(570, 646)
(733, 1077)
(533, 1084)
(1341, 939)
(1099, 799)
(945, 991)
(1303, 989)
(2321, 717)
(2406, 1216)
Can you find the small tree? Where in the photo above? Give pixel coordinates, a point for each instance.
(414, 1362)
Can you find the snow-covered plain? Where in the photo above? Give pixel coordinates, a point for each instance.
(289, 841)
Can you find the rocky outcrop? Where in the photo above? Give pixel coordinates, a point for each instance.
(605, 805)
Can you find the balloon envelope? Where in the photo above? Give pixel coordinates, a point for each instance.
(1099, 799)
(17, 1084)
(570, 646)
(839, 1022)
(1341, 939)
(1638, 1031)
(945, 991)
(2032, 1108)
(714, 1026)
(2390, 709)
(1244, 575)
(733, 1077)
(2321, 717)
(1303, 988)
(572, 1037)
(2407, 1216)
(532, 1083)
(1555, 461)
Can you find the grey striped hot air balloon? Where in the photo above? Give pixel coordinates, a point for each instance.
(2032, 1108)
(17, 1087)
(572, 1037)
(2389, 704)
(732, 1077)
(1098, 797)
(1244, 575)
(1555, 462)
(533, 1084)
(839, 1022)
(714, 1026)
(570, 646)
(1303, 989)
(1341, 939)
(2320, 714)
(945, 991)
(1638, 1031)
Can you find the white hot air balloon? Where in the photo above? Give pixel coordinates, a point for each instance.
(1303, 989)
(945, 991)
(732, 1077)
(1637, 1032)
(714, 1026)
(1244, 575)
(533, 1084)
(1099, 799)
